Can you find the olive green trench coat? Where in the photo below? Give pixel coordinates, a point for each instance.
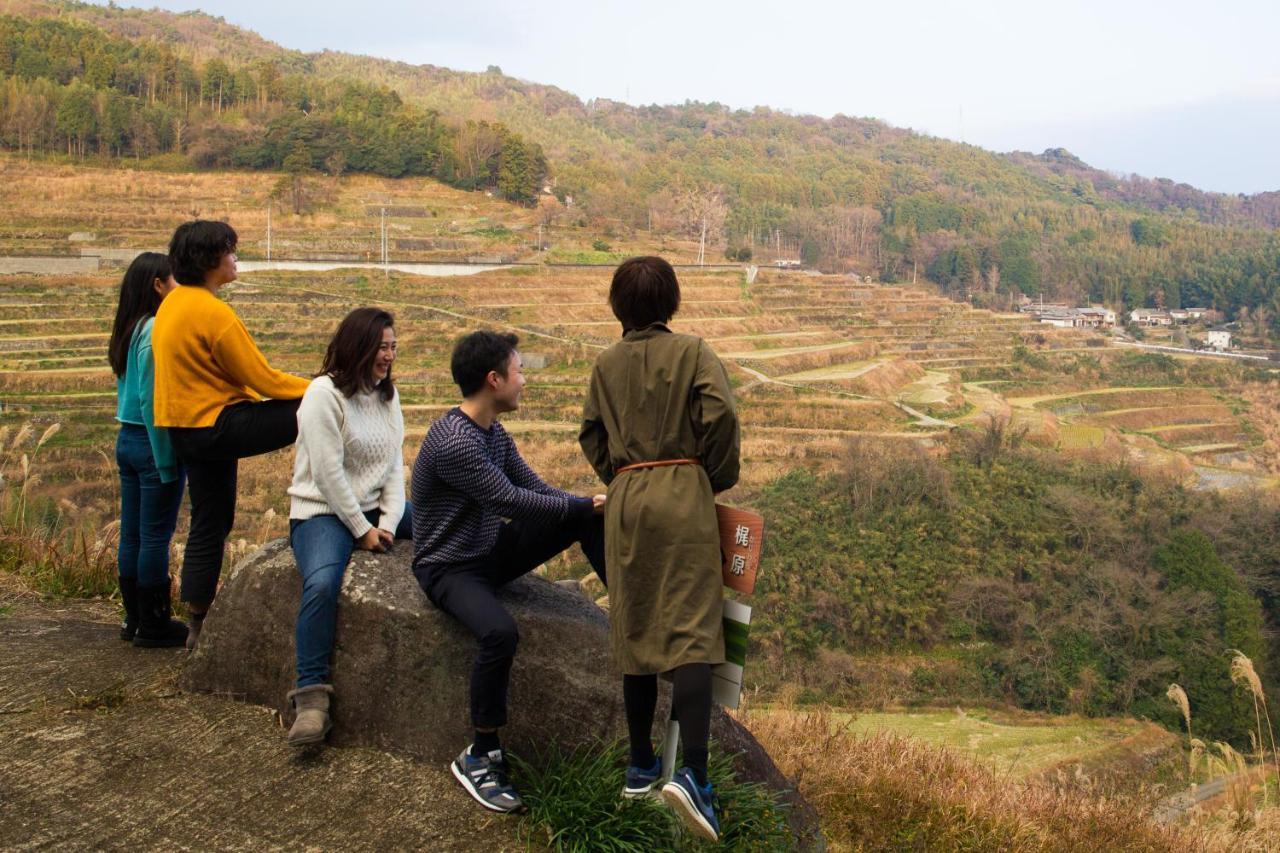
(656, 395)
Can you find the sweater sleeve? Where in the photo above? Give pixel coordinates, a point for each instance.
(464, 465)
(519, 473)
(593, 437)
(240, 357)
(320, 435)
(161, 445)
(716, 420)
(391, 503)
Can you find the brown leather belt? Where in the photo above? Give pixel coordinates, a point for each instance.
(661, 463)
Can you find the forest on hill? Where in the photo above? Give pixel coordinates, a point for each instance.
(842, 194)
(1013, 575)
(70, 87)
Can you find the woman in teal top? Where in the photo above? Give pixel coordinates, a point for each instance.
(151, 479)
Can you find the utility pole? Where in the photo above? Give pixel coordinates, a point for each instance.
(385, 270)
(702, 243)
(268, 230)
(539, 236)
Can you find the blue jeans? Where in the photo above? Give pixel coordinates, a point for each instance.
(148, 510)
(322, 547)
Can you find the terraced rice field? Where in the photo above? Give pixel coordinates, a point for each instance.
(1018, 744)
(1191, 421)
(51, 209)
(53, 368)
(816, 360)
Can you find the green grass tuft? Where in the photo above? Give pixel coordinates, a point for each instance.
(575, 804)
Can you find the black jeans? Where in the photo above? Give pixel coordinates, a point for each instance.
(210, 455)
(469, 593)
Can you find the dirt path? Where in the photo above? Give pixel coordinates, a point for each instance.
(99, 751)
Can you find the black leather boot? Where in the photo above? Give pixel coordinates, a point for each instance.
(129, 596)
(156, 628)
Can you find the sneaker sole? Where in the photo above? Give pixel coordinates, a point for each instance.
(676, 797)
(637, 793)
(475, 795)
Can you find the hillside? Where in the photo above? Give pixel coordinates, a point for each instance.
(844, 194)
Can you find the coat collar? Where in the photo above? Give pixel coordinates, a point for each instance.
(645, 333)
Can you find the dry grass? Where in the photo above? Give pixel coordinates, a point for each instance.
(1242, 672)
(885, 792)
(47, 541)
(1264, 416)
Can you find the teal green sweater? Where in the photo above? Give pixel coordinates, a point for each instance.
(135, 393)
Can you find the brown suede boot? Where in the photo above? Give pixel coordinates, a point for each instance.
(312, 721)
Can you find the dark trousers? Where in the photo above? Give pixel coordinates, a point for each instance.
(210, 455)
(469, 593)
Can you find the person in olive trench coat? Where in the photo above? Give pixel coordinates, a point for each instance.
(661, 397)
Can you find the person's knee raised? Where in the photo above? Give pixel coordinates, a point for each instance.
(502, 639)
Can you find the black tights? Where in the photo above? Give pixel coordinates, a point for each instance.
(691, 704)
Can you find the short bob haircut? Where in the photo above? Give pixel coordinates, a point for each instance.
(353, 349)
(198, 247)
(476, 355)
(644, 291)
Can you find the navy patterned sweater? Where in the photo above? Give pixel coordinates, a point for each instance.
(466, 481)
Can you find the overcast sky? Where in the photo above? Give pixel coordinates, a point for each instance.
(1177, 89)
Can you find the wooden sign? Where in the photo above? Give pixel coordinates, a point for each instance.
(741, 538)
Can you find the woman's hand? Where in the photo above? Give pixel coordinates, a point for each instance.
(372, 540)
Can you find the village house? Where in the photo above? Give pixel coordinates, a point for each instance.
(1218, 339)
(1065, 317)
(1150, 317)
(1096, 317)
(1061, 318)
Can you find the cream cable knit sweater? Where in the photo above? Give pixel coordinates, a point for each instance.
(349, 458)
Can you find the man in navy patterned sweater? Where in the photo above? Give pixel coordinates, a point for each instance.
(481, 519)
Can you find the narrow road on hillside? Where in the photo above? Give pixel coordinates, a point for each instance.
(1179, 804)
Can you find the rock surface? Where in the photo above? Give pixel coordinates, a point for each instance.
(401, 667)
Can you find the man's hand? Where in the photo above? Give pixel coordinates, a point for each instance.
(371, 540)
(597, 503)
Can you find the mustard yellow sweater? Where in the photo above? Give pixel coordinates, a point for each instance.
(205, 360)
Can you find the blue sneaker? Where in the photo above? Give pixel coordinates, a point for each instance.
(485, 778)
(640, 782)
(693, 803)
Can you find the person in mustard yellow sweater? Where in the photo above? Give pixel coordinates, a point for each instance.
(210, 381)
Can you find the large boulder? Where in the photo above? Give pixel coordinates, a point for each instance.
(401, 668)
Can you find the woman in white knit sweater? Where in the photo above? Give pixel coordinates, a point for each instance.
(347, 492)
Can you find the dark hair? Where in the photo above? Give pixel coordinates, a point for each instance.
(475, 355)
(352, 350)
(138, 300)
(644, 291)
(198, 247)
